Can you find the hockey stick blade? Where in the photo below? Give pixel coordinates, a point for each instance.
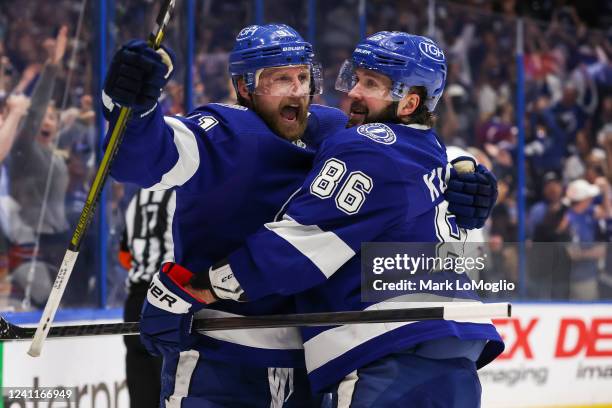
(455, 311)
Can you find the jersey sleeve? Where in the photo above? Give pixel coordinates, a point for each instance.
(351, 196)
(161, 152)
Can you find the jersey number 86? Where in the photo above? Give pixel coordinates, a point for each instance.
(353, 191)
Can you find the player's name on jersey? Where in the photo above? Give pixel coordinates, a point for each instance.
(405, 285)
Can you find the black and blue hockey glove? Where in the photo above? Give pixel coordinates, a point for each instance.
(471, 195)
(136, 76)
(167, 313)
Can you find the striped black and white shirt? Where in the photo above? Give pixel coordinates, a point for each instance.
(148, 233)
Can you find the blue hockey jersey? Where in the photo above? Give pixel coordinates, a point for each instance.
(373, 183)
(232, 174)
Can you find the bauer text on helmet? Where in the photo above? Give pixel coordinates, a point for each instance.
(262, 47)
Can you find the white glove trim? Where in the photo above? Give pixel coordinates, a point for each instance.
(166, 60)
(224, 283)
(163, 298)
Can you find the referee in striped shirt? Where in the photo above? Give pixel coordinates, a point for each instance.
(145, 245)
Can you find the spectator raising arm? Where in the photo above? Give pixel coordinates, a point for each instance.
(44, 88)
(17, 108)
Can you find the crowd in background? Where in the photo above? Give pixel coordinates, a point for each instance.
(568, 133)
(49, 141)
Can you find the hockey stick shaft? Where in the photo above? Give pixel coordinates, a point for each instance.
(9, 331)
(72, 253)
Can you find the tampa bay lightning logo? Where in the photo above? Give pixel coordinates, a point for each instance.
(378, 132)
(431, 50)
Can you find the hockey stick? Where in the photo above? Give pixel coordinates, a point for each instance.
(455, 311)
(61, 281)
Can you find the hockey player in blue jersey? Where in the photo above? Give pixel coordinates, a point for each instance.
(380, 181)
(232, 173)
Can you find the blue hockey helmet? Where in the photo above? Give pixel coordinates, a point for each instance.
(408, 60)
(271, 45)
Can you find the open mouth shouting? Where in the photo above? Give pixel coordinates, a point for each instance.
(290, 112)
(287, 118)
(292, 120)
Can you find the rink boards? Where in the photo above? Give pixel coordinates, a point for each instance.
(556, 355)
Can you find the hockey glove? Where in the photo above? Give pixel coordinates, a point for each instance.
(471, 195)
(221, 282)
(167, 313)
(136, 76)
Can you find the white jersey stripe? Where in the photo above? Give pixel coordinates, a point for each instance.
(286, 338)
(184, 371)
(337, 341)
(168, 256)
(324, 248)
(416, 126)
(189, 157)
(346, 390)
(129, 217)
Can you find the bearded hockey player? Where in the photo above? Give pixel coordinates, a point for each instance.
(231, 172)
(380, 181)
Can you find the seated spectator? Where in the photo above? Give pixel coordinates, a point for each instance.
(548, 260)
(498, 128)
(568, 113)
(544, 215)
(584, 252)
(494, 91)
(546, 141)
(575, 164)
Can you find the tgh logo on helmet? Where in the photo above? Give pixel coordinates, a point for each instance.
(247, 32)
(432, 51)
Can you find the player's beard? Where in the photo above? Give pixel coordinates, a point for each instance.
(288, 119)
(360, 114)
